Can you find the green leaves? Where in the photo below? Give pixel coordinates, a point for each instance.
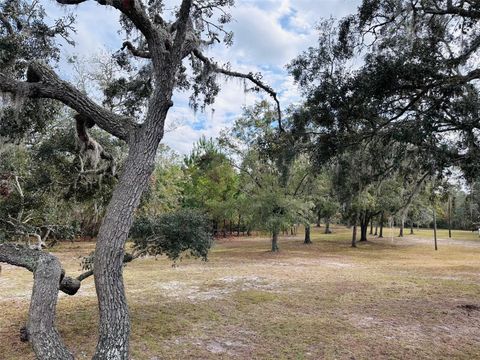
(185, 232)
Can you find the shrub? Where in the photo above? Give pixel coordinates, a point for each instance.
(176, 234)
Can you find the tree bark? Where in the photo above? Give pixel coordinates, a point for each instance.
(382, 220)
(308, 240)
(114, 325)
(318, 220)
(48, 279)
(402, 223)
(275, 247)
(364, 228)
(371, 226)
(411, 227)
(354, 233)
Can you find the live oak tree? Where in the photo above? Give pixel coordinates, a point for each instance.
(163, 46)
(421, 73)
(396, 72)
(273, 176)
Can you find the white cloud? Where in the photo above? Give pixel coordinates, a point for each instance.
(268, 34)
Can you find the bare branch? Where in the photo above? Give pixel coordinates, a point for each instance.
(136, 52)
(215, 68)
(126, 259)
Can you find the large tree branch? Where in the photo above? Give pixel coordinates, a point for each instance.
(453, 10)
(133, 9)
(44, 83)
(48, 277)
(127, 257)
(215, 68)
(145, 54)
(181, 26)
(27, 258)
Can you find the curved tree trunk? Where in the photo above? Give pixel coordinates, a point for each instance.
(48, 279)
(114, 326)
(46, 342)
(308, 240)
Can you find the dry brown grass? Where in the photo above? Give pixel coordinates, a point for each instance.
(387, 299)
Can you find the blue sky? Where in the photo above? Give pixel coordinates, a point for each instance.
(267, 35)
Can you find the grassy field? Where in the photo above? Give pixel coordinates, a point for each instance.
(388, 299)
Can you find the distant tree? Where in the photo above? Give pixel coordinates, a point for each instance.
(272, 175)
(211, 182)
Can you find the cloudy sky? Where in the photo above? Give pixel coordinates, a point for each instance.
(267, 35)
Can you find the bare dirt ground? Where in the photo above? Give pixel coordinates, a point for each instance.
(390, 298)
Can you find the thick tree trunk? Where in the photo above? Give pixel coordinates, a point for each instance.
(114, 325)
(307, 235)
(363, 232)
(371, 226)
(275, 247)
(382, 220)
(364, 228)
(318, 220)
(411, 227)
(48, 279)
(46, 342)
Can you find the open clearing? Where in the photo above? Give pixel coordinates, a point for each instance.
(388, 299)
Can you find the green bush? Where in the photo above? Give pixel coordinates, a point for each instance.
(176, 234)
